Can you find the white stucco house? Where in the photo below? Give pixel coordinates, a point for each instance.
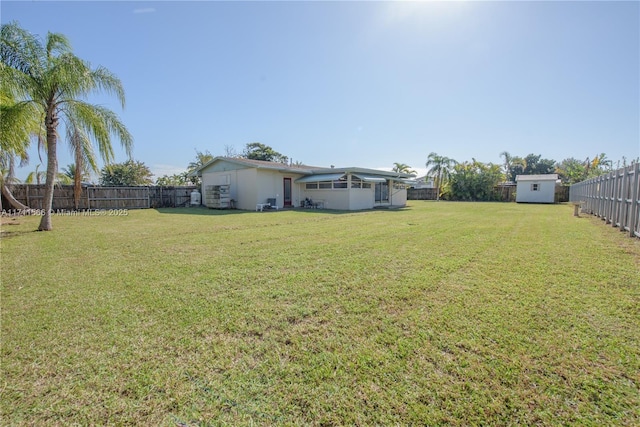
(254, 182)
(536, 188)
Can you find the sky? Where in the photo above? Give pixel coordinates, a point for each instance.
(362, 84)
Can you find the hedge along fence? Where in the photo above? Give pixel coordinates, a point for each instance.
(503, 193)
(614, 197)
(97, 197)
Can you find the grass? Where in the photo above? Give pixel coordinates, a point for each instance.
(440, 313)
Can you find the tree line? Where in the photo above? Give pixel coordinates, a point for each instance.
(474, 180)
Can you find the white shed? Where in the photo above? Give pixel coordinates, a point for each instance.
(536, 188)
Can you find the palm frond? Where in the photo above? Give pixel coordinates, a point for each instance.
(100, 123)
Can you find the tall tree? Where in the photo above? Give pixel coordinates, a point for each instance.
(508, 159)
(518, 166)
(55, 82)
(439, 167)
(129, 173)
(259, 151)
(36, 176)
(536, 165)
(571, 171)
(71, 171)
(84, 159)
(230, 151)
(202, 158)
(175, 179)
(475, 181)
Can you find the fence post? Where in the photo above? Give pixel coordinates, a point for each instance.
(623, 212)
(635, 200)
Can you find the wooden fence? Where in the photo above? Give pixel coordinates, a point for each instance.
(421, 194)
(614, 197)
(96, 197)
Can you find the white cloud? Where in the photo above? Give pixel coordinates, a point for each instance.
(145, 10)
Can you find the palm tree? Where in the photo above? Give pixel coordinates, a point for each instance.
(440, 168)
(35, 177)
(54, 81)
(85, 160)
(508, 159)
(17, 126)
(402, 168)
(7, 177)
(70, 173)
(201, 160)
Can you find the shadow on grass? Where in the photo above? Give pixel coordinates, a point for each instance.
(200, 211)
(219, 212)
(6, 234)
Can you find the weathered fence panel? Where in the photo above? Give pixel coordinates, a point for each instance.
(97, 197)
(33, 197)
(118, 197)
(170, 197)
(614, 197)
(421, 194)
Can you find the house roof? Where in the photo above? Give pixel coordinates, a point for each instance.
(299, 169)
(259, 164)
(546, 177)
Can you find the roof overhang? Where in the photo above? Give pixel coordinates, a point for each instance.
(369, 178)
(320, 177)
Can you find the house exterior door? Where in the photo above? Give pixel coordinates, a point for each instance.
(287, 192)
(382, 193)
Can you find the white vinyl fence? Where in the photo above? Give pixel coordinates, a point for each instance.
(614, 197)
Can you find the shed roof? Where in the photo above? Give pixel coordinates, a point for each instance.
(545, 177)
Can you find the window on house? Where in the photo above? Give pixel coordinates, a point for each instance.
(324, 184)
(535, 187)
(311, 185)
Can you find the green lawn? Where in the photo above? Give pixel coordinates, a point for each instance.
(440, 313)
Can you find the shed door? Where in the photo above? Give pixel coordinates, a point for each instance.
(287, 191)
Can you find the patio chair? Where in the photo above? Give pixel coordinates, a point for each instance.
(273, 204)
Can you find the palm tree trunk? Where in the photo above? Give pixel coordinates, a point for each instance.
(77, 178)
(51, 122)
(12, 200)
